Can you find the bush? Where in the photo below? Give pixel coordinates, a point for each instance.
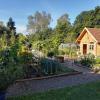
(30, 64)
(25, 57)
(61, 52)
(88, 60)
(96, 67)
(49, 66)
(50, 54)
(9, 70)
(8, 74)
(97, 60)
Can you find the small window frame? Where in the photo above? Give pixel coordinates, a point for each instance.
(91, 46)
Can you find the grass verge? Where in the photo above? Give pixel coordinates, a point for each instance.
(89, 91)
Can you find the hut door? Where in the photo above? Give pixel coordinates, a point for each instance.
(84, 49)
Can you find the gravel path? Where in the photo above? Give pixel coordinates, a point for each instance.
(71, 65)
(34, 86)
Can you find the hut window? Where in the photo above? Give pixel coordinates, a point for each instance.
(91, 47)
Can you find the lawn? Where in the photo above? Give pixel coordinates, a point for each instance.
(89, 91)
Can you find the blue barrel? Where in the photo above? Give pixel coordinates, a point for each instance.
(2, 95)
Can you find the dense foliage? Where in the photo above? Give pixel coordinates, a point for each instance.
(87, 19)
(47, 39)
(88, 60)
(38, 22)
(12, 45)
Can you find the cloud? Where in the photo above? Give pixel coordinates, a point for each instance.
(21, 29)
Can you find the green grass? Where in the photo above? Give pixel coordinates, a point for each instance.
(89, 91)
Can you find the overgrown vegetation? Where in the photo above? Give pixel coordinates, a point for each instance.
(12, 62)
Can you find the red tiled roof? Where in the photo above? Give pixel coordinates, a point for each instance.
(95, 32)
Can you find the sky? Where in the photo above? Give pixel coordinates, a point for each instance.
(19, 10)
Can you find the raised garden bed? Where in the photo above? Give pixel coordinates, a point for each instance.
(65, 72)
(52, 76)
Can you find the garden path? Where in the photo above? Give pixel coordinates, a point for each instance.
(70, 64)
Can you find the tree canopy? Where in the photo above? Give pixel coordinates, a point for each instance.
(38, 22)
(11, 25)
(64, 32)
(87, 19)
(43, 37)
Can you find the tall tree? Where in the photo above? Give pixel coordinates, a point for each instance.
(38, 22)
(3, 29)
(61, 31)
(11, 26)
(87, 19)
(63, 27)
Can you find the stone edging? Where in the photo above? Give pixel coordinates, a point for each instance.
(48, 77)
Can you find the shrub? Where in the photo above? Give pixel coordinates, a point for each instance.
(8, 74)
(97, 60)
(61, 52)
(96, 67)
(25, 57)
(9, 70)
(88, 60)
(30, 64)
(50, 54)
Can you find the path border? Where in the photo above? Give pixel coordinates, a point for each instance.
(48, 77)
